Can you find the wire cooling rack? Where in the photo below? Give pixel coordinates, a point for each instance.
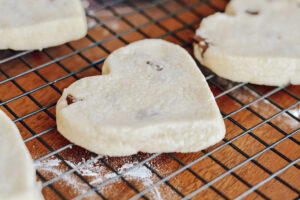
(258, 159)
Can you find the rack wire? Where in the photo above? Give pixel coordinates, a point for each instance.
(258, 159)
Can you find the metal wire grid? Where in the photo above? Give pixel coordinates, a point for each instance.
(142, 9)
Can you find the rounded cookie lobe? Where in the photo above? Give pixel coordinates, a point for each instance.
(17, 173)
(253, 41)
(30, 24)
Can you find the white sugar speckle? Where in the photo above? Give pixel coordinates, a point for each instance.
(115, 26)
(295, 112)
(202, 43)
(139, 172)
(91, 23)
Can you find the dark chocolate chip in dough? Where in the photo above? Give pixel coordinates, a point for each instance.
(154, 66)
(203, 44)
(71, 99)
(252, 12)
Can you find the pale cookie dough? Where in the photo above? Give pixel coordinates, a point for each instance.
(17, 173)
(151, 98)
(38, 24)
(256, 41)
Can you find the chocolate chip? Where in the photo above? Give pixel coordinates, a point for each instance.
(204, 47)
(154, 66)
(250, 12)
(202, 44)
(71, 99)
(158, 68)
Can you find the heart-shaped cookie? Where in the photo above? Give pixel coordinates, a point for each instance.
(254, 41)
(30, 24)
(151, 98)
(17, 173)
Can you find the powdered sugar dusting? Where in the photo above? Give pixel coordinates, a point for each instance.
(115, 26)
(267, 109)
(52, 167)
(50, 163)
(96, 174)
(91, 23)
(295, 112)
(139, 172)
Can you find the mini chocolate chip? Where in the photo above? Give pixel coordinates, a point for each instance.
(202, 44)
(154, 66)
(158, 68)
(250, 12)
(71, 99)
(146, 113)
(204, 47)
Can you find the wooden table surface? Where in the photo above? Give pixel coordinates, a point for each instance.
(32, 82)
